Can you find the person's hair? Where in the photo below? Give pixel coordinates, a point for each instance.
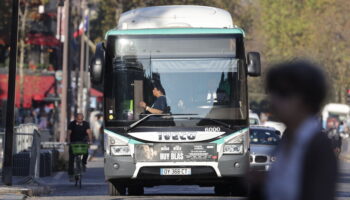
(159, 87)
(79, 114)
(301, 78)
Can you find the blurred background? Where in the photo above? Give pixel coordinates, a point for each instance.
(278, 29)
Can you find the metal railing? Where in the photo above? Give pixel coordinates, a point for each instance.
(27, 138)
(34, 165)
(24, 137)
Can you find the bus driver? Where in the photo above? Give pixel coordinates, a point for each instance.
(159, 106)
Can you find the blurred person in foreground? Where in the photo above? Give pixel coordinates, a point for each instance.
(305, 167)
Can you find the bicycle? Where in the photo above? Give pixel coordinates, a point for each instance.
(78, 150)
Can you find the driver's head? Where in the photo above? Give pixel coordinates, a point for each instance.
(79, 117)
(158, 90)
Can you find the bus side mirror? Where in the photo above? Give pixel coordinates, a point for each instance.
(254, 65)
(97, 64)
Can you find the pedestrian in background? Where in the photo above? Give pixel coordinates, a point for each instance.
(337, 139)
(305, 166)
(78, 132)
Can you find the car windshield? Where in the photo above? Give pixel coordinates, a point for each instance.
(264, 137)
(179, 75)
(253, 121)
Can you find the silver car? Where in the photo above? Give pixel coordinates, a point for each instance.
(263, 141)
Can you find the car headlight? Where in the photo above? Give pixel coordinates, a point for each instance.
(233, 148)
(120, 150)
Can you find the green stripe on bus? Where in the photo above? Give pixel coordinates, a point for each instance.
(169, 31)
(130, 141)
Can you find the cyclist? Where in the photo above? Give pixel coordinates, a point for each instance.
(78, 132)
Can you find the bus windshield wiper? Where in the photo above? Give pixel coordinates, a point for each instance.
(213, 120)
(133, 125)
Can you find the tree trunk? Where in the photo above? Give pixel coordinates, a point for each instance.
(23, 18)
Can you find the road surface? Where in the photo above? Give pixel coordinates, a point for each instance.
(95, 188)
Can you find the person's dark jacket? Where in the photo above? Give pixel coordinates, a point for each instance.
(319, 172)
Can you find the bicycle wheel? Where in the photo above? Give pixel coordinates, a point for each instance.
(77, 170)
(78, 164)
(76, 177)
(80, 182)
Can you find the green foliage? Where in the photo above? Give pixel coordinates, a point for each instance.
(316, 29)
(5, 22)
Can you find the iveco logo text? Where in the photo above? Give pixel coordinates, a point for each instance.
(177, 136)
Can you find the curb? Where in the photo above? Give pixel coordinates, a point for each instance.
(12, 197)
(25, 190)
(344, 156)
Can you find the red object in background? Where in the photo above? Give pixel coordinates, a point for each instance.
(38, 97)
(332, 122)
(35, 88)
(2, 42)
(51, 106)
(32, 66)
(41, 39)
(95, 93)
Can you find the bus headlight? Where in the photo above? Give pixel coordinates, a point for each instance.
(120, 150)
(115, 140)
(235, 145)
(233, 149)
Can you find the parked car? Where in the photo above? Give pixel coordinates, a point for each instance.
(263, 141)
(276, 125)
(254, 119)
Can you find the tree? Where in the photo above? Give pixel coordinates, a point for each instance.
(23, 13)
(316, 29)
(5, 8)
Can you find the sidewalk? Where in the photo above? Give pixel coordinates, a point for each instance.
(27, 190)
(12, 196)
(22, 191)
(345, 152)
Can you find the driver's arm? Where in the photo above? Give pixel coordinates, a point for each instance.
(149, 109)
(153, 110)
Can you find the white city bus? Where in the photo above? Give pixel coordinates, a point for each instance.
(197, 55)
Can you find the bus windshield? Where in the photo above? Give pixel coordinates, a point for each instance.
(196, 75)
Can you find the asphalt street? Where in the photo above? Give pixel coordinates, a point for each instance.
(95, 188)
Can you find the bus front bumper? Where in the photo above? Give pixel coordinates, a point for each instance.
(125, 167)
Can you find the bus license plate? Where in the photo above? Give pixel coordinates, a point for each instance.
(175, 171)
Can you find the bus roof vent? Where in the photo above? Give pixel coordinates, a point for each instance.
(183, 16)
